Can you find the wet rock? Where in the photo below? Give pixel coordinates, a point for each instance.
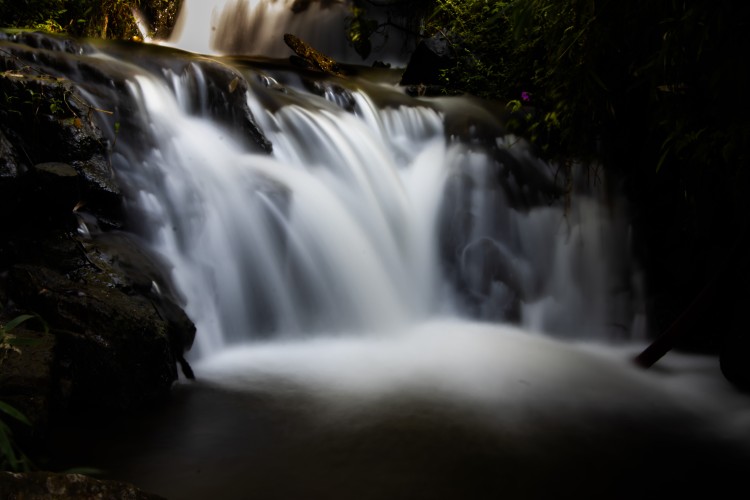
(491, 280)
(113, 349)
(121, 259)
(522, 181)
(51, 192)
(26, 375)
(479, 212)
(116, 328)
(51, 486)
(220, 93)
(421, 90)
(81, 131)
(332, 92)
(300, 6)
(117, 323)
(9, 165)
(40, 40)
(52, 125)
(430, 57)
(10, 168)
(50, 117)
(99, 186)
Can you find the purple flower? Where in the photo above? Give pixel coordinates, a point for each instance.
(525, 96)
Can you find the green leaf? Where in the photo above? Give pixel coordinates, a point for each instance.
(6, 447)
(13, 412)
(513, 105)
(10, 325)
(19, 342)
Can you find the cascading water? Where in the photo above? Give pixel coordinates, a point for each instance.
(377, 298)
(340, 228)
(253, 27)
(322, 235)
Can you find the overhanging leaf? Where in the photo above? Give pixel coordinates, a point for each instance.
(10, 325)
(13, 412)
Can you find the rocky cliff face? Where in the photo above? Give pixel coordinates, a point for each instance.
(110, 329)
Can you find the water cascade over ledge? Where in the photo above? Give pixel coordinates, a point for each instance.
(254, 28)
(385, 290)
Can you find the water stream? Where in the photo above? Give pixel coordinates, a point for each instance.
(397, 302)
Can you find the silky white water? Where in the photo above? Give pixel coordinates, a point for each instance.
(337, 230)
(322, 266)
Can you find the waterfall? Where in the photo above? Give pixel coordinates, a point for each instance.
(363, 218)
(385, 286)
(331, 231)
(256, 28)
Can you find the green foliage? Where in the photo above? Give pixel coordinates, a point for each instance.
(37, 14)
(370, 21)
(11, 457)
(603, 76)
(654, 91)
(8, 342)
(359, 31)
(479, 34)
(92, 18)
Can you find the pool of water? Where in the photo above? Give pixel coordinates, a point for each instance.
(439, 412)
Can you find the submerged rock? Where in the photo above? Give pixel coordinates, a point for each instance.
(332, 92)
(220, 93)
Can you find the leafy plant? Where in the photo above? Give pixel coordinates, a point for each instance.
(654, 92)
(8, 341)
(11, 456)
(372, 20)
(105, 19)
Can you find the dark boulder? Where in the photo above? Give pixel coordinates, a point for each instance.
(117, 324)
(220, 93)
(9, 164)
(429, 59)
(50, 116)
(49, 124)
(49, 193)
(40, 40)
(113, 348)
(332, 92)
(115, 329)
